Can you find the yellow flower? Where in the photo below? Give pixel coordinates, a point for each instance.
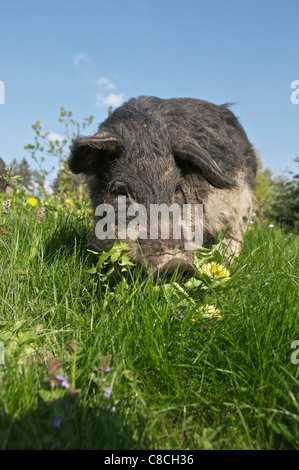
(249, 228)
(208, 311)
(90, 211)
(69, 202)
(216, 271)
(32, 201)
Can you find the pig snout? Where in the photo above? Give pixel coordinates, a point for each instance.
(181, 267)
(163, 260)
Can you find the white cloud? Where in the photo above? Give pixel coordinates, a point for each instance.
(113, 100)
(79, 57)
(51, 136)
(104, 82)
(106, 99)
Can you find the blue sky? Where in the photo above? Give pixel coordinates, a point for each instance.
(87, 55)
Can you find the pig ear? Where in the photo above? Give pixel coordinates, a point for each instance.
(89, 153)
(192, 154)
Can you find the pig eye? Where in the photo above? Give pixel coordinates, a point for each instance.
(179, 193)
(120, 190)
(178, 190)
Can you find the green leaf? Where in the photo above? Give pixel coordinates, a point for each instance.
(91, 271)
(45, 395)
(27, 336)
(6, 335)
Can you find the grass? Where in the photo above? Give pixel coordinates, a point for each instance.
(143, 367)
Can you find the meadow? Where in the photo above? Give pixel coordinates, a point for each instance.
(97, 356)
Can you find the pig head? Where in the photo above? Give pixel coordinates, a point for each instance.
(152, 153)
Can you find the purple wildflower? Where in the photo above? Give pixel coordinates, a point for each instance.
(63, 380)
(107, 369)
(107, 391)
(112, 409)
(57, 422)
(6, 206)
(41, 214)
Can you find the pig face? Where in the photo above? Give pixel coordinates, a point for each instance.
(140, 201)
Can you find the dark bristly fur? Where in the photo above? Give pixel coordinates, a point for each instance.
(179, 150)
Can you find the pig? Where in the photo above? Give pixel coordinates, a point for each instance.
(184, 151)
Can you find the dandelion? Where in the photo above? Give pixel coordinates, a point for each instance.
(63, 380)
(250, 228)
(69, 202)
(208, 311)
(32, 201)
(216, 271)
